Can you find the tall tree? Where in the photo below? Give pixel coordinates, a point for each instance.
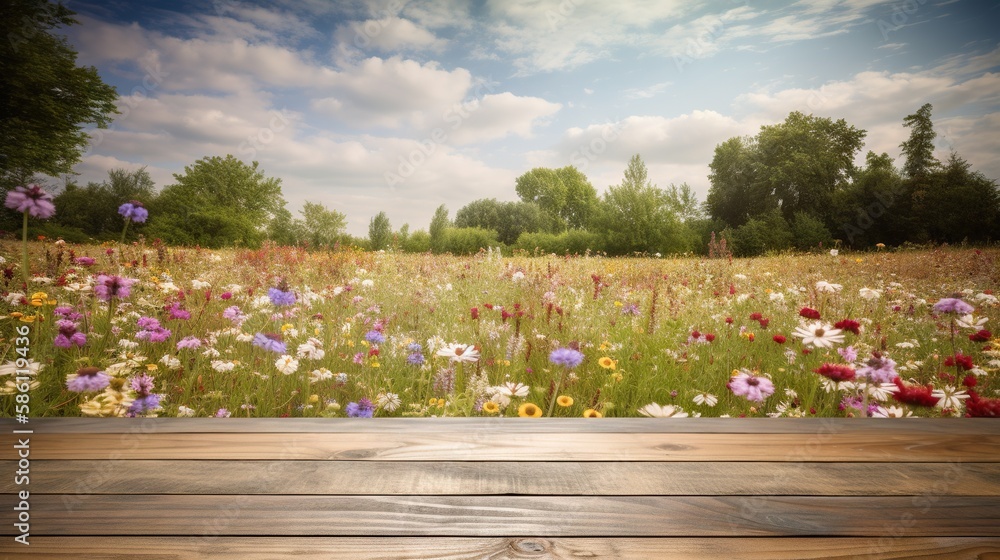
(93, 209)
(636, 216)
(736, 194)
(322, 227)
(217, 202)
(379, 232)
(508, 219)
(684, 203)
(919, 147)
(439, 224)
(566, 197)
(45, 98)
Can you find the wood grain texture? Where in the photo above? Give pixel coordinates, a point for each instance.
(579, 516)
(464, 446)
(918, 426)
(443, 548)
(512, 478)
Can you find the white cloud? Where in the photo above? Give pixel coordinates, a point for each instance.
(389, 34)
(497, 116)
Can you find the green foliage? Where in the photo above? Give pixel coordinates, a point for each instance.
(217, 202)
(565, 196)
(93, 209)
(961, 205)
(322, 227)
(417, 242)
(759, 235)
(919, 147)
(736, 194)
(508, 219)
(573, 242)
(809, 233)
(468, 241)
(439, 223)
(684, 203)
(379, 232)
(47, 98)
(636, 217)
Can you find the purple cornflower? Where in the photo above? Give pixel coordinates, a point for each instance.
(31, 199)
(148, 323)
(567, 357)
(87, 379)
(753, 387)
(223, 413)
(879, 369)
(84, 261)
(67, 313)
(375, 337)
(281, 297)
(414, 347)
(849, 354)
(234, 314)
(145, 399)
(133, 210)
(415, 359)
(361, 409)
(630, 309)
(189, 342)
(359, 358)
(953, 305)
(177, 312)
(108, 287)
(151, 330)
(68, 336)
(270, 341)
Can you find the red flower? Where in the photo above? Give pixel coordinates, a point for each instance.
(978, 407)
(809, 313)
(836, 372)
(488, 306)
(981, 336)
(970, 381)
(475, 313)
(961, 360)
(695, 335)
(226, 295)
(764, 322)
(779, 338)
(709, 337)
(849, 325)
(919, 395)
(753, 317)
(729, 320)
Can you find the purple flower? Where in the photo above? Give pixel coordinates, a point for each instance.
(414, 347)
(630, 309)
(67, 313)
(108, 287)
(145, 403)
(375, 337)
(271, 342)
(84, 261)
(31, 199)
(68, 336)
(223, 413)
(176, 312)
(849, 354)
(361, 409)
(567, 357)
(953, 305)
(142, 384)
(281, 297)
(133, 210)
(879, 369)
(753, 387)
(87, 379)
(148, 323)
(234, 314)
(415, 359)
(189, 342)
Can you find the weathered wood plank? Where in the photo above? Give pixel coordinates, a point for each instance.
(957, 426)
(458, 548)
(516, 478)
(873, 447)
(520, 516)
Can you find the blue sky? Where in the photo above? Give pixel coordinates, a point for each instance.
(404, 105)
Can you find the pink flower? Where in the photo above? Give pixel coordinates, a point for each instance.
(31, 199)
(753, 387)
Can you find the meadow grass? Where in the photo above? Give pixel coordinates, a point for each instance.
(671, 331)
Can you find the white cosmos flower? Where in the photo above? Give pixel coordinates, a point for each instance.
(949, 397)
(988, 299)
(665, 411)
(869, 294)
(706, 399)
(819, 334)
(388, 401)
(824, 286)
(512, 389)
(459, 352)
(286, 364)
(971, 322)
(891, 412)
(320, 375)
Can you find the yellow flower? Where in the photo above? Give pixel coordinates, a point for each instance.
(604, 346)
(39, 299)
(28, 319)
(564, 400)
(286, 327)
(313, 399)
(375, 364)
(617, 376)
(591, 413)
(606, 363)
(152, 367)
(618, 304)
(529, 410)
(16, 315)
(490, 407)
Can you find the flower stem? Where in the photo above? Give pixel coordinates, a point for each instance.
(555, 393)
(125, 229)
(24, 252)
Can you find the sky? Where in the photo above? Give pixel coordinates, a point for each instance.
(401, 106)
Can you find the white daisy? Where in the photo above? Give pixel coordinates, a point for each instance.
(459, 353)
(388, 401)
(949, 397)
(819, 334)
(971, 322)
(869, 294)
(512, 389)
(654, 410)
(824, 286)
(287, 364)
(706, 399)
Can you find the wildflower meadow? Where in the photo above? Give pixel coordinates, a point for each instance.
(145, 329)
